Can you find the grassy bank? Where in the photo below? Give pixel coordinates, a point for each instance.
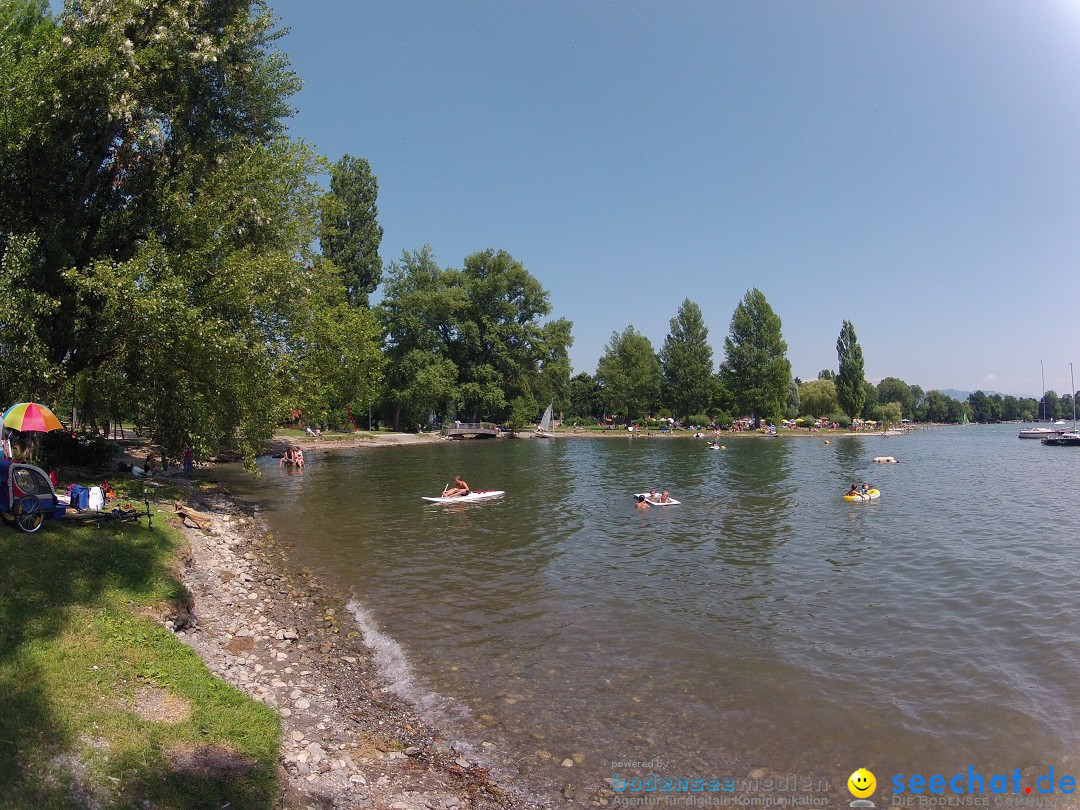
(100, 705)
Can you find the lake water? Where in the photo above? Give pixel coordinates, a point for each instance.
(764, 623)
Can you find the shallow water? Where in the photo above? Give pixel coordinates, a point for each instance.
(763, 623)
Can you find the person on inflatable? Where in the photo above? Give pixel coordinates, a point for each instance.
(854, 491)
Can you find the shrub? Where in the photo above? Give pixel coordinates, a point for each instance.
(841, 419)
(62, 449)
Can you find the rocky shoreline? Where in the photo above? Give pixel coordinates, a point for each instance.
(348, 742)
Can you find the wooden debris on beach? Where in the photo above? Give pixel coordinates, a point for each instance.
(199, 520)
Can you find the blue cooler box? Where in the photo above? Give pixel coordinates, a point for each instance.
(80, 496)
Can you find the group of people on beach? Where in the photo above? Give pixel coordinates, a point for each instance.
(293, 456)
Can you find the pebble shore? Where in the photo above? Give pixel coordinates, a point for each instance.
(347, 741)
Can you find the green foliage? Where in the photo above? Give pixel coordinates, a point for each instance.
(1051, 406)
(350, 234)
(841, 418)
(153, 218)
(61, 449)
(850, 392)
(585, 397)
(893, 389)
(687, 360)
(698, 420)
(887, 414)
(870, 399)
(943, 408)
(791, 409)
(470, 339)
(629, 373)
(756, 369)
(523, 413)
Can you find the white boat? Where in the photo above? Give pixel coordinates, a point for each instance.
(544, 431)
(1043, 432)
(1067, 438)
(476, 495)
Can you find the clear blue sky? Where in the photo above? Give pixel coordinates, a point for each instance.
(913, 167)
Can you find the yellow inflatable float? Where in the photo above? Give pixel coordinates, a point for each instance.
(871, 495)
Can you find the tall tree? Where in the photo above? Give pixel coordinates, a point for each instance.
(687, 361)
(893, 389)
(818, 397)
(585, 396)
(482, 324)
(756, 369)
(504, 346)
(421, 313)
(153, 213)
(629, 373)
(350, 234)
(849, 381)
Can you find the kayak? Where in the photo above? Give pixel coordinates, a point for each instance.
(656, 502)
(871, 495)
(475, 495)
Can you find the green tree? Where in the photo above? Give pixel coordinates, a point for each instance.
(887, 414)
(756, 369)
(421, 312)
(826, 374)
(791, 410)
(344, 338)
(870, 399)
(585, 396)
(484, 323)
(503, 347)
(981, 410)
(350, 233)
(686, 360)
(893, 389)
(919, 397)
(818, 397)
(849, 381)
(1051, 406)
(1012, 408)
(153, 213)
(629, 373)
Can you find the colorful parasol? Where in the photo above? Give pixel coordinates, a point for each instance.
(29, 416)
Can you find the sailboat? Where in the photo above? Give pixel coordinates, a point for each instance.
(1071, 438)
(544, 431)
(1043, 432)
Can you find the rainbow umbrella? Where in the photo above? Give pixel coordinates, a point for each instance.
(29, 416)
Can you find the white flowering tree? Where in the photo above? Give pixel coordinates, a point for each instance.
(154, 217)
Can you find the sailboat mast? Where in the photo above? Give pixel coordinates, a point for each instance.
(1042, 371)
(1072, 384)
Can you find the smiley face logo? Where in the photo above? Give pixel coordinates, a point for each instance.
(861, 783)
